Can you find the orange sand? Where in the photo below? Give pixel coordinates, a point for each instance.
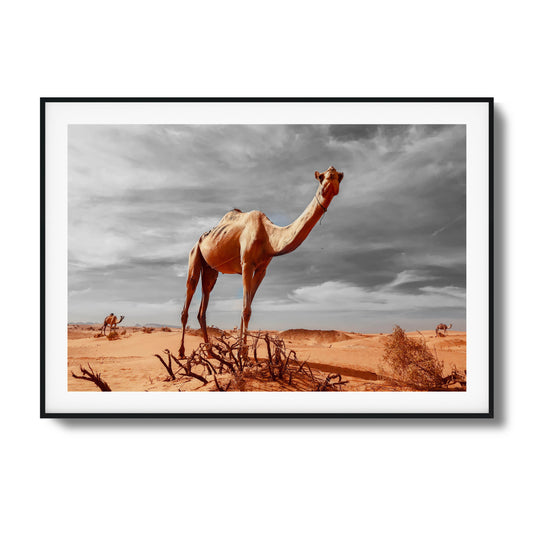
(128, 364)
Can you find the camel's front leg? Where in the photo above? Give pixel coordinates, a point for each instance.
(256, 280)
(247, 296)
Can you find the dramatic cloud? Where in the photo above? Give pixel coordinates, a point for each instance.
(391, 248)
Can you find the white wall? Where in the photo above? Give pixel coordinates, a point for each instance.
(255, 475)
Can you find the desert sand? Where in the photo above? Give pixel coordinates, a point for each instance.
(128, 363)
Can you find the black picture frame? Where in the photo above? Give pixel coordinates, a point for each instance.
(45, 412)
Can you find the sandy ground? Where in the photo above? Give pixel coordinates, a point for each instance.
(128, 364)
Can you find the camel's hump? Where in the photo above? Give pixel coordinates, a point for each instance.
(233, 214)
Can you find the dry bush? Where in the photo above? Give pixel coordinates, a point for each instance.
(113, 335)
(227, 365)
(168, 330)
(411, 361)
(147, 330)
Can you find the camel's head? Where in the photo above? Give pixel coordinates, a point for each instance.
(329, 182)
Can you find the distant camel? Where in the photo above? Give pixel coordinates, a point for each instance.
(442, 328)
(245, 243)
(112, 322)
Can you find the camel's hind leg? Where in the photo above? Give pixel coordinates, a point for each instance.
(209, 278)
(195, 269)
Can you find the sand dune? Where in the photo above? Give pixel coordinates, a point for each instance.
(128, 363)
(314, 336)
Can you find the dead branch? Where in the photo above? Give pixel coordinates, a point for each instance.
(454, 377)
(330, 384)
(187, 367)
(168, 365)
(94, 377)
(220, 358)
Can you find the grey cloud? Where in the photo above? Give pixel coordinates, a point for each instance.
(366, 132)
(347, 132)
(140, 196)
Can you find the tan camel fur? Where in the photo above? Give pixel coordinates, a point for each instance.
(112, 322)
(440, 330)
(245, 243)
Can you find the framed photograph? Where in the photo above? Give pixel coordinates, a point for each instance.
(266, 257)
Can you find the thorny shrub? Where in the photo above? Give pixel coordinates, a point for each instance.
(412, 362)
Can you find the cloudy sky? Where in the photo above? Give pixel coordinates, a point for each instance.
(390, 250)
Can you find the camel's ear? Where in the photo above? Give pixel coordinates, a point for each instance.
(341, 175)
(319, 176)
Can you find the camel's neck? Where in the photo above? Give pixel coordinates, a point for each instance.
(287, 239)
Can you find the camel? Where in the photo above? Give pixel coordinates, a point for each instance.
(245, 243)
(111, 321)
(442, 328)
